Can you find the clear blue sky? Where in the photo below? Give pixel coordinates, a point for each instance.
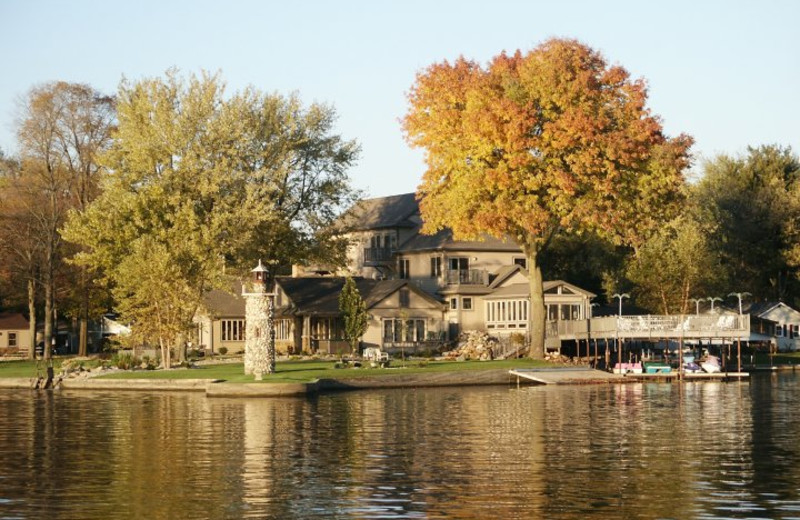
(725, 72)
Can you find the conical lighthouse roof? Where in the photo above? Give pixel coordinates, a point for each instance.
(259, 268)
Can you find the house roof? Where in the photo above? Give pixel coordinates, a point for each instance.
(574, 288)
(220, 303)
(759, 308)
(444, 241)
(518, 290)
(13, 321)
(319, 296)
(522, 290)
(465, 290)
(383, 212)
(506, 272)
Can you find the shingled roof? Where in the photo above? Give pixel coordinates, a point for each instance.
(225, 304)
(397, 211)
(13, 321)
(444, 241)
(319, 296)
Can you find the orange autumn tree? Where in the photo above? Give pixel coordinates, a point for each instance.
(539, 144)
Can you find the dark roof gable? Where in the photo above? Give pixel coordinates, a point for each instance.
(444, 241)
(320, 295)
(384, 212)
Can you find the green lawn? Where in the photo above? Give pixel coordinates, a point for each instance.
(26, 368)
(287, 371)
(306, 371)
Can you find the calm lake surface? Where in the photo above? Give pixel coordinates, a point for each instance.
(656, 450)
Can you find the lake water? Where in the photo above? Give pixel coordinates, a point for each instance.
(655, 450)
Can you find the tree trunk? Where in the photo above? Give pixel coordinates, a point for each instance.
(83, 335)
(32, 318)
(166, 361)
(48, 316)
(536, 316)
(180, 347)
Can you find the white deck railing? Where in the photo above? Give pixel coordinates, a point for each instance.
(660, 326)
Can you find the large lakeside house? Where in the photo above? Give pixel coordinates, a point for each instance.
(422, 291)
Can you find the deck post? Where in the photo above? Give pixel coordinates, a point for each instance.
(680, 357)
(739, 355)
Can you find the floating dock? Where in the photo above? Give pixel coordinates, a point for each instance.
(585, 375)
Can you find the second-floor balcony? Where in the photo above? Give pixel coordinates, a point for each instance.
(378, 255)
(467, 277)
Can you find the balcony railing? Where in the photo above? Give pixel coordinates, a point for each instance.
(375, 255)
(467, 277)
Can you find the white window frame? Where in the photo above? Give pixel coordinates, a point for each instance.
(12, 339)
(283, 330)
(232, 330)
(464, 301)
(507, 314)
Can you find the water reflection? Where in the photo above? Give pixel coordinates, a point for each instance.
(697, 450)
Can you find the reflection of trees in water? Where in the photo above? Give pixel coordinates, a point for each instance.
(629, 451)
(774, 451)
(637, 450)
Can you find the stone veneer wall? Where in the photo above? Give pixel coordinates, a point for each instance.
(256, 360)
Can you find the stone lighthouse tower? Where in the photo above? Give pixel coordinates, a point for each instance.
(259, 345)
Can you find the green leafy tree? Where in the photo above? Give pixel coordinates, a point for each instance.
(673, 266)
(198, 182)
(750, 209)
(537, 145)
(586, 260)
(354, 313)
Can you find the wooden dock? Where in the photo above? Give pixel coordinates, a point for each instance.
(566, 376)
(585, 375)
(688, 376)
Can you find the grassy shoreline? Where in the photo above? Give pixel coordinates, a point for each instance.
(312, 370)
(302, 371)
